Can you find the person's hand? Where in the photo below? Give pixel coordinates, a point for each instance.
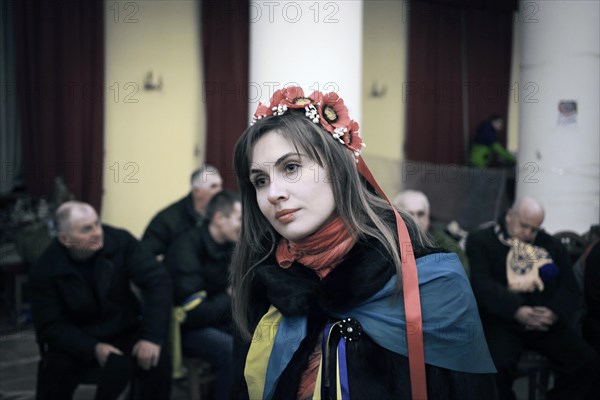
(535, 318)
(527, 284)
(524, 315)
(147, 354)
(545, 316)
(103, 350)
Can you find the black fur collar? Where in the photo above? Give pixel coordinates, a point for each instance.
(299, 291)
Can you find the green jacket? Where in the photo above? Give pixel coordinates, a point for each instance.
(448, 243)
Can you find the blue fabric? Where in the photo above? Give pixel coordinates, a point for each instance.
(345, 387)
(486, 134)
(548, 272)
(291, 331)
(452, 332)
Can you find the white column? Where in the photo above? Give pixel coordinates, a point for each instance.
(314, 44)
(559, 130)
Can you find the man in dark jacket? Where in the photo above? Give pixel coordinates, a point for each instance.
(199, 264)
(87, 315)
(184, 214)
(591, 290)
(526, 293)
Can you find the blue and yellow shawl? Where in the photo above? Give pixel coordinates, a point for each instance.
(452, 331)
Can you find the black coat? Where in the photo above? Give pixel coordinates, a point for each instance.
(373, 371)
(71, 316)
(487, 257)
(196, 262)
(169, 223)
(591, 322)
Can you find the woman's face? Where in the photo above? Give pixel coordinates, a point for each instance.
(293, 192)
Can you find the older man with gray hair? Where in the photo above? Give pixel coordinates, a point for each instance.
(416, 204)
(86, 314)
(526, 293)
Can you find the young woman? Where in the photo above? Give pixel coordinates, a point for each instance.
(318, 274)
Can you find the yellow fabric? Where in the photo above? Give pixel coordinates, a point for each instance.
(176, 357)
(178, 316)
(338, 384)
(523, 263)
(317, 394)
(262, 343)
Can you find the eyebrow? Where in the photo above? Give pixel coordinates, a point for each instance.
(279, 161)
(91, 224)
(533, 228)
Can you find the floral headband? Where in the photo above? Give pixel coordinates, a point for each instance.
(328, 110)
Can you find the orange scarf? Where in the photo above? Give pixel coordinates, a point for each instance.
(322, 251)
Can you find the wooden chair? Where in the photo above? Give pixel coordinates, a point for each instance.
(16, 276)
(200, 376)
(537, 369)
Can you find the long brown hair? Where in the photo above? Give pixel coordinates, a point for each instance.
(360, 209)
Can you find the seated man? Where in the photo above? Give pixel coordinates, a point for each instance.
(416, 204)
(199, 264)
(86, 314)
(526, 292)
(591, 290)
(184, 214)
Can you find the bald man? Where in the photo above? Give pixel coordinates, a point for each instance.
(526, 293)
(87, 316)
(416, 204)
(184, 214)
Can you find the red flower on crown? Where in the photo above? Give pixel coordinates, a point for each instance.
(333, 112)
(262, 111)
(317, 96)
(278, 99)
(352, 138)
(328, 110)
(294, 97)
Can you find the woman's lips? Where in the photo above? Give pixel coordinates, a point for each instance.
(287, 215)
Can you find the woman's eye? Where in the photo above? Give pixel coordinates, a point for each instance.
(259, 181)
(292, 167)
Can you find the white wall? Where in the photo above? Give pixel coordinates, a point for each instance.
(316, 44)
(559, 158)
